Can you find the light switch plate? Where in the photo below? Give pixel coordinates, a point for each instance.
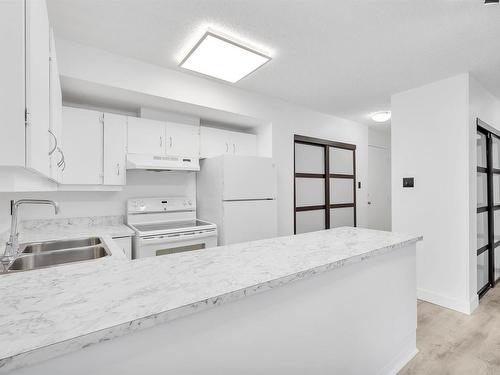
(408, 182)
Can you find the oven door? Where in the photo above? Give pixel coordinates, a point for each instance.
(150, 246)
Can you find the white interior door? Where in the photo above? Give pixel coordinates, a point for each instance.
(249, 177)
(115, 146)
(37, 86)
(248, 221)
(379, 188)
(146, 136)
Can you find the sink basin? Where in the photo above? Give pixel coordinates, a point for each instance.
(59, 256)
(52, 253)
(41, 247)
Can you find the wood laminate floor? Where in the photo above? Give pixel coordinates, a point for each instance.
(453, 343)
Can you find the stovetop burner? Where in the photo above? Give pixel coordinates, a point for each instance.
(167, 226)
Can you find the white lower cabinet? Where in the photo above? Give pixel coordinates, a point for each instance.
(215, 142)
(83, 146)
(124, 243)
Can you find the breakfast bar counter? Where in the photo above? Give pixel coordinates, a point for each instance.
(341, 290)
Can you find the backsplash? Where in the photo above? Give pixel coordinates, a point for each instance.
(86, 204)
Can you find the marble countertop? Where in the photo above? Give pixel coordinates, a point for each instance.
(57, 229)
(48, 312)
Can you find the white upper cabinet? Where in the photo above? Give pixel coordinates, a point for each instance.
(12, 70)
(56, 148)
(146, 136)
(37, 86)
(24, 89)
(244, 144)
(115, 149)
(182, 139)
(83, 146)
(214, 142)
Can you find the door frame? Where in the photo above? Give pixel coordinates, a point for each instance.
(326, 144)
(490, 207)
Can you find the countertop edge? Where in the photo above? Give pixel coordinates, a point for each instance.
(67, 346)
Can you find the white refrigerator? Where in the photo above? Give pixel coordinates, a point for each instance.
(238, 193)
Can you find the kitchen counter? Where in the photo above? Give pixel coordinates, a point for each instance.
(67, 228)
(49, 312)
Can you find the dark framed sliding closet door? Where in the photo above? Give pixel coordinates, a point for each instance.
(324, 184)
(488, 207)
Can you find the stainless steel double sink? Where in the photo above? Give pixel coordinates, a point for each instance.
(51, 253)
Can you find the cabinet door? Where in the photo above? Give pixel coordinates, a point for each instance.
(83, 151)
(124, 243)
(12, 134)
(243, 144)
(115, 149)
(145, 136)
(55, 114)
(182, 139)
(214, 142)
(37, 86)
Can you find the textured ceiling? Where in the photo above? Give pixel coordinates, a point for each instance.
(339, 57)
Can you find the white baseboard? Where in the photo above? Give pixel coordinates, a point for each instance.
(463, 306)
(474, 303)
(405, 355)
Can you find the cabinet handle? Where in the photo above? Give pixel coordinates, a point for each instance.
(234, 148)
(62, 161)
(171, 142)
(64, 166)
(161, 141)
(117, 169)
(55, 142)
(227, 147)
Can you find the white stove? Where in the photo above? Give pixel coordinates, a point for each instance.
(167, 226)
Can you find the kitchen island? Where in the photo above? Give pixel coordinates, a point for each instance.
(335, 301)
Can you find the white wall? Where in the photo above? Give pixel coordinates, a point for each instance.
(379, 137)
(92, 65)
(75, 204)
(378, 184)
(483, 105)
(430, 142)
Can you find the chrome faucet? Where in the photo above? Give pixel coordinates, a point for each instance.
(12, 246)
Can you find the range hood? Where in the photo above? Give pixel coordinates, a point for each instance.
(162, 162)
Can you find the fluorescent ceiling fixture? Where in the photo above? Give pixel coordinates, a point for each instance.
(381, 116)
(219, 57)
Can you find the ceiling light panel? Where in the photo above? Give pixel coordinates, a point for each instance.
(222, 58)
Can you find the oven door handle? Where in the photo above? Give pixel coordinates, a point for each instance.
(174, 238)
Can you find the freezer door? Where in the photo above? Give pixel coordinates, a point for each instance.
(248, 177)
(248, 221)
